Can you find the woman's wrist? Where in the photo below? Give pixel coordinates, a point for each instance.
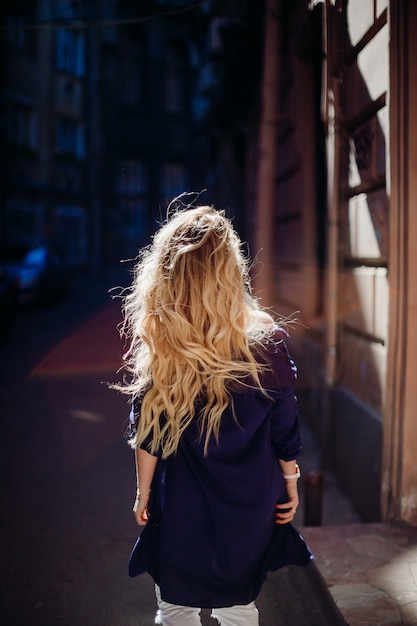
(293, 476)
(142, 494)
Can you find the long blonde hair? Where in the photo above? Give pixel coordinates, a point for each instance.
(192, 325)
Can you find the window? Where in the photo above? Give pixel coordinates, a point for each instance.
(132, 188)
(18, 35)
(174, 180)
(70, 51)
(175, 79)
(24, 221)
(70, 138)
(71, 231)
(132, 71)
(133, 219)
(132, 178)
(15, 31)
(21, 125)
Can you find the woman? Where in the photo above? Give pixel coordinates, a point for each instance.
(215, 425)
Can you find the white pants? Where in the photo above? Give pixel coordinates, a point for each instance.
(176, 615)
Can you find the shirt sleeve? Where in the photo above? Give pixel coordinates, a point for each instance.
(285, 434)
(134, 418)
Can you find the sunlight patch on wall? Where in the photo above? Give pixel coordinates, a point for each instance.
(363, 241)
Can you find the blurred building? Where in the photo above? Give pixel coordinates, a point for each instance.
(44, 152)
(107, 114)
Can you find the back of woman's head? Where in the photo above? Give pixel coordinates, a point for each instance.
(199, 279)
(187, 317)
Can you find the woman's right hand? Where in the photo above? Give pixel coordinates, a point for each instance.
(140, 510)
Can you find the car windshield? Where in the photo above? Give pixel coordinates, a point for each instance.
(37, 256)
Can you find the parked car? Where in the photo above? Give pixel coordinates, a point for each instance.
(39, 272)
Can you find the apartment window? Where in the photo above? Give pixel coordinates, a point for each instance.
(174, 180)
(15, 31)
(132, 70)
(132, 190)
(175, 79)
(70, 138)
(21, 125)
(24, 221)
(70, 51)
(133, 220)
(18, 33)
(71, 231)
(132, 178)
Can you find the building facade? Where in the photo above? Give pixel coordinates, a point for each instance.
(107, 115)
(44, 149)
(341, 105)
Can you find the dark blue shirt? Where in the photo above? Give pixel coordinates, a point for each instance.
(212, 537)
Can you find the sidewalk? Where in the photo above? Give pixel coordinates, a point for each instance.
(366, 573)
(368, 570)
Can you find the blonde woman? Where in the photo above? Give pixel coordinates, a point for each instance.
(214, 425)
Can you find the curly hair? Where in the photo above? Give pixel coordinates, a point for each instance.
(193, 327)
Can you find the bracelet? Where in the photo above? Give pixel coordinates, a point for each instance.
(293, 476)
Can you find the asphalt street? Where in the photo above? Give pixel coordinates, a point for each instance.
(68, 477)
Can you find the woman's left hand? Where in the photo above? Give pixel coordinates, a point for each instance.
(285, 512)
